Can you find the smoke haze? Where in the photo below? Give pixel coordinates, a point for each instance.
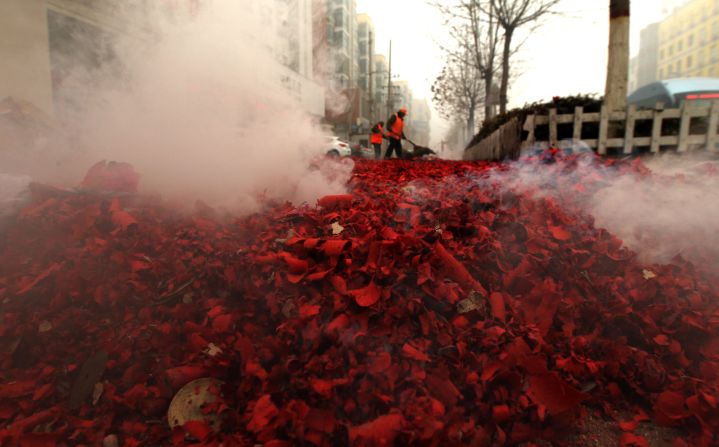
(192, 102)
(670, 212)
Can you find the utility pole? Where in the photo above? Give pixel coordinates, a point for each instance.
(370, 69)
(389, 82)
(350, 97)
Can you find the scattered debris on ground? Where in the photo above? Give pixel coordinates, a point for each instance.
(428, 306)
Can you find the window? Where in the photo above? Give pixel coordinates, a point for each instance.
(339, 18)
(680, 46)
(661, 73)
(661, 55)
(339, 39)
(691, 40)
(671, 50)
(689, 62)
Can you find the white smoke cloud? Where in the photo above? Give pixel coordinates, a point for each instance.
(194, 104)
(674, 212)
(671, 211)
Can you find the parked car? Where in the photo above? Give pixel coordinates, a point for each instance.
(673, 92)
(336, 147)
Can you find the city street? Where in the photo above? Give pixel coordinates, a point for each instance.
(276, 223)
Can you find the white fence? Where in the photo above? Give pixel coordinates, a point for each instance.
(683, 141)
(504, 142)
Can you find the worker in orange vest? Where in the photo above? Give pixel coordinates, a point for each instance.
(376, 139)
(395, 133)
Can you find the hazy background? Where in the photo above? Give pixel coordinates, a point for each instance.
(193, 109)
(566, 55)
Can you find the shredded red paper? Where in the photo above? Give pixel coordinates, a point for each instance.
(428, 306)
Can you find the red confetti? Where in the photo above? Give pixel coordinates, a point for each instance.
(264, 411)
(414, 353)
(367, 296)
(496, 301)
(632, 440)
(335, 202)
(198, 429)
(552, 392)
(386, 336)
(381, 431)
(560, 233)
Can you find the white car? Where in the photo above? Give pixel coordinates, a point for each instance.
(336, 147)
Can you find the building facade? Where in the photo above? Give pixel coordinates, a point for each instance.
(401, 96)
(419, 122)
(365, 50)
(689, 41)
(648, 58)
(667, 7)
(44, 41)
(294, 31)
(379, 88)
(343, 43)
(365, 69)
(633, 74)
(336, 63)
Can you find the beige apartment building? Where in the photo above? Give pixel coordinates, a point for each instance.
(689, 41)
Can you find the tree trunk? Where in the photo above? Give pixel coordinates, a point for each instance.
(615, 92)
(488, 97)
(470, 121)
(505, 69)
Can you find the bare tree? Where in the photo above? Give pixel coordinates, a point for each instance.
(512, 15)
(475, 33)
(485, 41)
(615, 93)
(458, 92)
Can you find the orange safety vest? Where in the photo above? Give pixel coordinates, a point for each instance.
(397, 128)
(376, 137)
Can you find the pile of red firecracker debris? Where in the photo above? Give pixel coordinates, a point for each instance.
(428, 306)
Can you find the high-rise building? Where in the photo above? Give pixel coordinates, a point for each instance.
(419, 122)
(667, 7)
(62, 37)
(342, 39)
(365, 70)
(379, 87)
(647, 60)
(689, 41)
(365, 53)
(294, 31)
(633, 74)
(401, 96)
(336, 59)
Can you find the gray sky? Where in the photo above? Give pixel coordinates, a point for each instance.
(567, 55)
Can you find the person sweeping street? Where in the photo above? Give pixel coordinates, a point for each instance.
(376, 139)
(395, 133)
